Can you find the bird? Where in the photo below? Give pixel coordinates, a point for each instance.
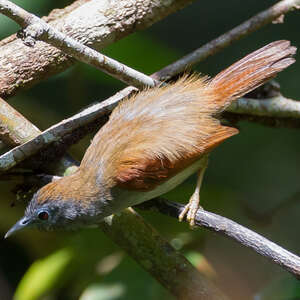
(151, 143)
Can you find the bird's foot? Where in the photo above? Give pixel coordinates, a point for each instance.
(190, 210)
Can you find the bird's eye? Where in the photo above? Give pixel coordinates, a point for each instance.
(43, 215)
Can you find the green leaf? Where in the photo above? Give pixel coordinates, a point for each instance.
(43, 275)
(195, 258)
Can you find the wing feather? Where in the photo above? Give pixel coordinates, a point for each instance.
(145, 175)
(152, 136)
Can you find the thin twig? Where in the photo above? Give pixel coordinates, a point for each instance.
(237, 232)
(276, 107)
(273, 13)
(233, 118)
(37, 29)
(95, 23)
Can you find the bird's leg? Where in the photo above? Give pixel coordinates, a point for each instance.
(191, 208)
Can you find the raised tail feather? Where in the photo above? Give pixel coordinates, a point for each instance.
(252, 71)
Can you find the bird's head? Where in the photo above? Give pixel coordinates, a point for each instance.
(56, 206)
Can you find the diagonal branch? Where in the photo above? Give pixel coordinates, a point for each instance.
(37, 29)
(58, 131)
(273, 13)
(15, 130)
(10, 119)
(242, 235)
(142, 242)
(95, 23)
(275, 107)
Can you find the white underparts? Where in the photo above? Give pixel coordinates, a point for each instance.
(125, 198)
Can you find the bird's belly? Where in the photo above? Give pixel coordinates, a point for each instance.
(126, 198)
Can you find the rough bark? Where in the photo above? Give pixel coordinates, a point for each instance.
(96, 23)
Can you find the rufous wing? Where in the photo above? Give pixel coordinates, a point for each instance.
(222, 133)
(159, 132)
(141, 174)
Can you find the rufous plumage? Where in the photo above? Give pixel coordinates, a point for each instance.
(152, 142)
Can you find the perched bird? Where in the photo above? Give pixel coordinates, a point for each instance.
(152, 143)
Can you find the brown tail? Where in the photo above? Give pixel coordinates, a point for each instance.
(252, 71)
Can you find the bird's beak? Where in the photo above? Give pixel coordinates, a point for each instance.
(21, 224)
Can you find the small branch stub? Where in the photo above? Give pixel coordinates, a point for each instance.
(31, 34)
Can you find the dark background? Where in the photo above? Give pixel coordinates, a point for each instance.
(253, 178)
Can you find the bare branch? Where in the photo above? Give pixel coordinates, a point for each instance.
(96, 23)
(53, 15)
(10, 120)
(242, 235)
(15, 130)
(265, 17)
(233, 118)
(276, 107)
(56, 132)
(37, 29)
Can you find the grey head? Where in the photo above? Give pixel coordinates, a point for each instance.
(52, 214)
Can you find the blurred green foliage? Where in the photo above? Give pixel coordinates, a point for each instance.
(252, 178)
(281, 289)
(44, 275)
